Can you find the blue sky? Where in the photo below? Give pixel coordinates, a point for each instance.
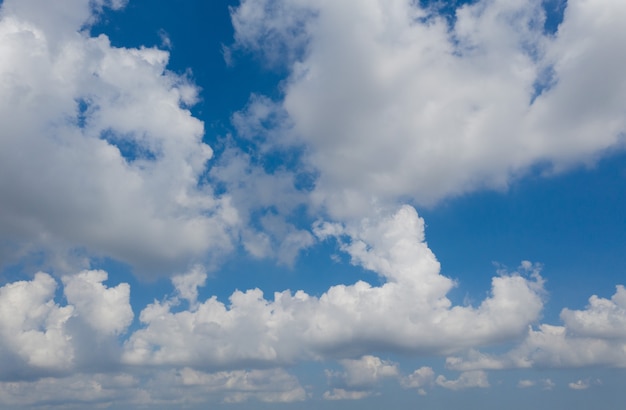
(312, 204)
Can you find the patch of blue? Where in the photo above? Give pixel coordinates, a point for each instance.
(129, 148)
(82, 106)
(554, 10)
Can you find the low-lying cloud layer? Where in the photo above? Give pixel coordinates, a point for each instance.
(210, 342)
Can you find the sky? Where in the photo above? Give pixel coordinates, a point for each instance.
(304, 204)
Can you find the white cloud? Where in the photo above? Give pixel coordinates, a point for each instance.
(420, 379)
(545, 384)
(523, 384)
(274, 28)
(155, 389)
(342, 394)
(105, 310)
(274, 386)
(265, 201)
(578, 385)
(99, 153)
(33, 329)
(367, 370)
(466, 380)
(359, 378)
(39, 337)
(548, 384)
(589, 337)
(602, 318)
(394, 104)
(187, 284)
(76, 391)
(409, 312)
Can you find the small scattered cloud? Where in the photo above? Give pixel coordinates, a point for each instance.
(187, 284)
(523, 384)
(166, 41)
(421, 379)
(360, 377)
(466, 380)
(341, 394)
(548, 384)
(578, 385)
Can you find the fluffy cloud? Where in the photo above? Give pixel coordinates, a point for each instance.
(466, 380)
(589, 337)
(99, 152)
(394, 102)
(342, 394)
(359, 378)
(187, 284)
(273, 386)
(77, 391)
(603, 318)
(40, 337)
(366, 371)
(159, 389)
(100, 156)
(578, 385)
(409, 312)
(33, 329)
(523, 384)
(419, 379)
(106, 310)
(265, 201)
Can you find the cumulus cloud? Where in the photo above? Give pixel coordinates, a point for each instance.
(578, 385)
(265, 201)
(409, 312)
(384, 102)
(466, 380)
(106, 310)
(33, 329)
(394, 102)
(56, 353)
(548, 384)
(367, 370)
(158, 389)
(187, 284)
(76, 391)
(342, 394)
(273, 386)
(359, 378)
(523, 384)
(213, 343)
(602, 318)
(587, 338)
(99, 152)
(420, 379)
(274, 28)
(545, 384)
(40, 337)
